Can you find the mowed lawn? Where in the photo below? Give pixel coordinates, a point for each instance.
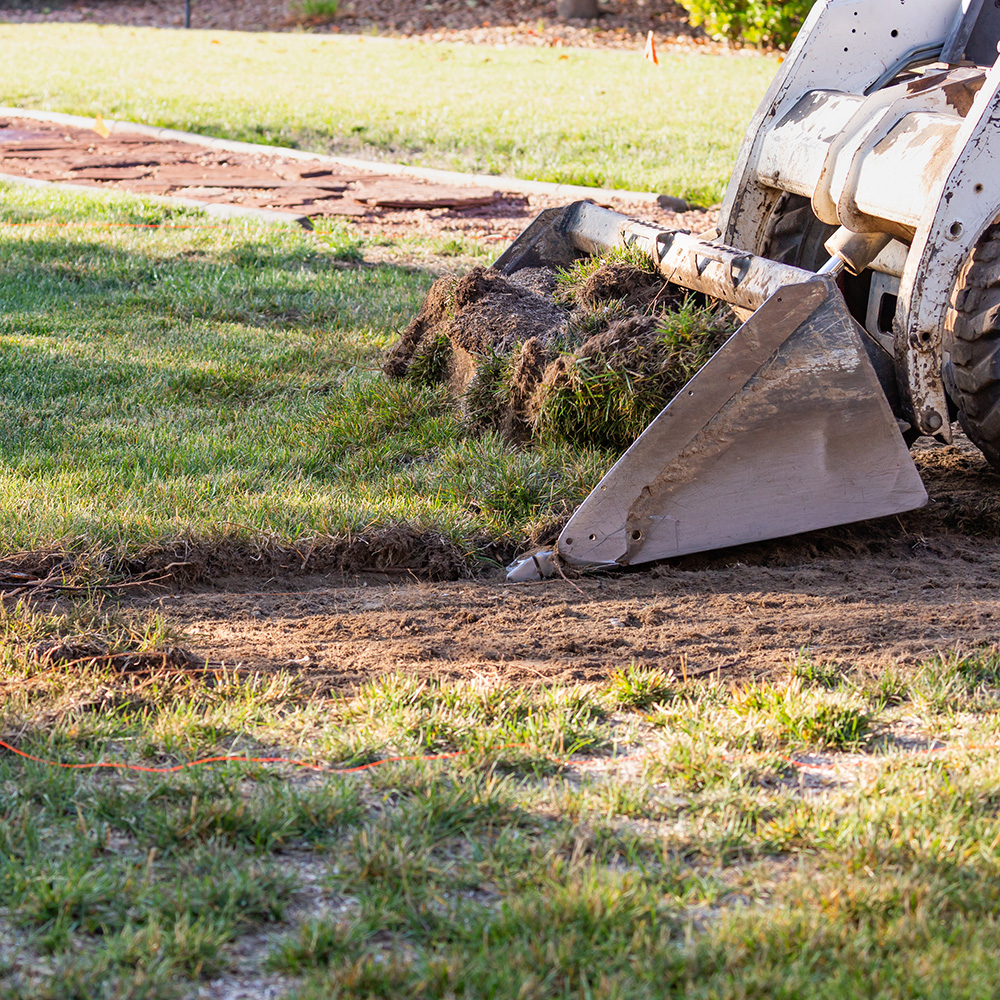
(168, 377)
(594, 117)
(827, 836)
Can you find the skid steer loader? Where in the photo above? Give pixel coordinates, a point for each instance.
(859, 243)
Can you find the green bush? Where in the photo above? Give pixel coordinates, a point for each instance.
(755, 22)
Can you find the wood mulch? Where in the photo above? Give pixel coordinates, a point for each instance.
(376, 201)
(621, 24)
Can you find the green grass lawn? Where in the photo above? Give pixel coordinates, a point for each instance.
(605, 118)
(168, 377)
(690, 857)
(221, 382)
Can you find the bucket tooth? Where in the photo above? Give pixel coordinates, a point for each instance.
(785, 430)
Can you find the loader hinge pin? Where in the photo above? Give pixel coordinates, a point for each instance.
(833, 266)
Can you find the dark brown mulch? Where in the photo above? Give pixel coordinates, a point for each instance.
(621, 24)
(379, 203)
(143, 165)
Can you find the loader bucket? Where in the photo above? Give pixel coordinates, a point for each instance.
(786, 429)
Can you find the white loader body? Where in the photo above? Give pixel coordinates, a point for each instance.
(916, 159)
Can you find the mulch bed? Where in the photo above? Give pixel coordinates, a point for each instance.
(137, 163)
(621, 24)
(384, 203)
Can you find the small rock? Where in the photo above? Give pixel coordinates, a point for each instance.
(672, 204)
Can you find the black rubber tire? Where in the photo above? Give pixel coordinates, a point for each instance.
(795, 236)
(972, 338)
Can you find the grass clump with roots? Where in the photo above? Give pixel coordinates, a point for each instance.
(583, 357)
(607, 398)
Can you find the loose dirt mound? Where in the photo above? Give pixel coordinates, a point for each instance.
(589, 355)
(635, 288)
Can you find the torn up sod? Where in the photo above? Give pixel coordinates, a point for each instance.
(587, 355)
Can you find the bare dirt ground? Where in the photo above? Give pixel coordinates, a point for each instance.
(893, 590)
(867, 595)
(896, 589)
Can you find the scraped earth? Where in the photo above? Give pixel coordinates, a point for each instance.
(893, 590)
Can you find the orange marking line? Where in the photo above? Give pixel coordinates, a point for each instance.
(650, 51)
(239, 759)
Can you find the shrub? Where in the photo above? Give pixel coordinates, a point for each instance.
(318, 11)
(773, 25)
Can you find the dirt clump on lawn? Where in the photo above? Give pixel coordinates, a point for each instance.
(636, 288)
(588, 355)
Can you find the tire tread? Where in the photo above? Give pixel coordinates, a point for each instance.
(973, 341)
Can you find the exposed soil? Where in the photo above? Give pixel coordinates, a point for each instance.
(865, 595)
(389, 551)
(481, 312)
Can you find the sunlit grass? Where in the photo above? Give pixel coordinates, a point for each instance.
(222, 382)
(681, 844)
(595, 117)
